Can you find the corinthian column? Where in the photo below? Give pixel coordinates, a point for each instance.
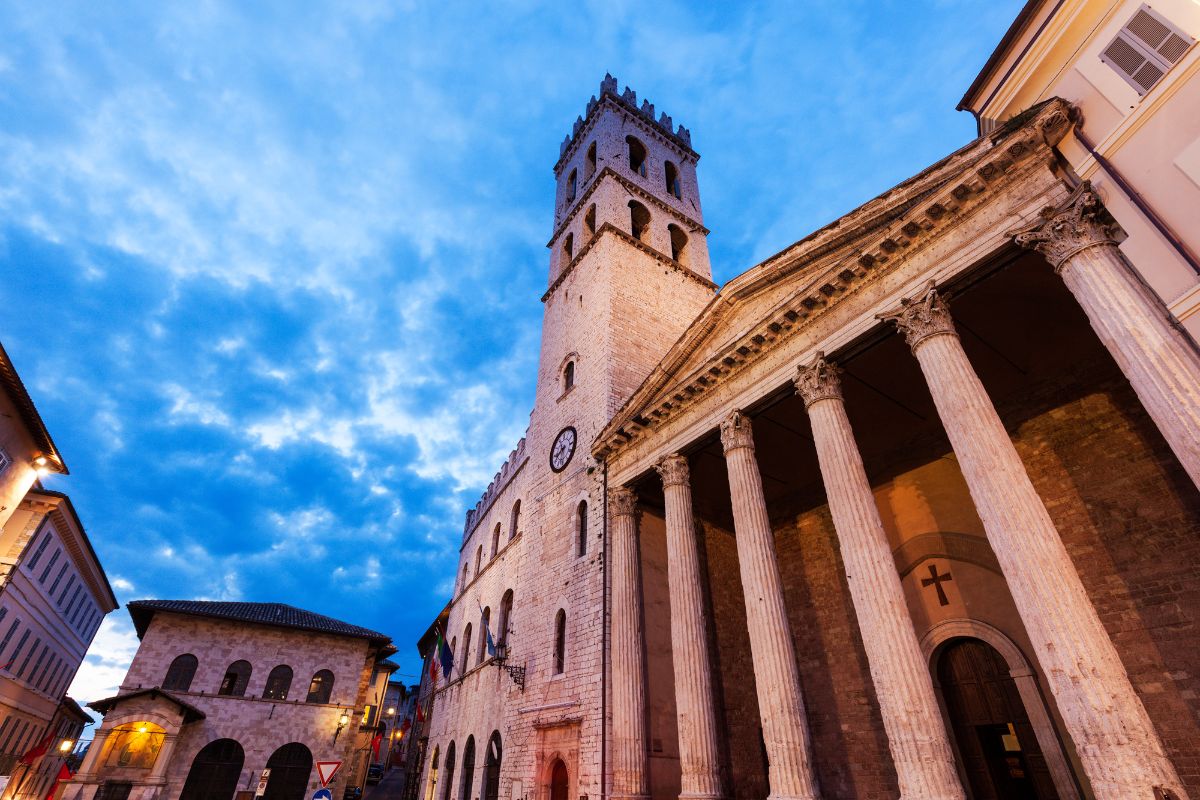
(911, 717)
(628, 689)
(780, 703)
(1077, 239)
(699, 755)
(1113, 735)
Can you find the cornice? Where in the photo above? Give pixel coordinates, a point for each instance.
(650, 129)
(839, 268)
(609, 228)
(490, 496)
(693, 225)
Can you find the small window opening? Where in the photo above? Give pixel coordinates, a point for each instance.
(466, 659)
(590, 166)
(637, 155)
(679, 242)
(569, 376)
(589, 221)
(572, 181)
(483, 635)
(516, 519)
(639, 220)
(478, 559)
(581, 528)
(569, 246)
(560, 642)
(672, 175)
(496, 540)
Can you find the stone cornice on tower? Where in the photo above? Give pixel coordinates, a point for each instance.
(833, 264)
(662, 128)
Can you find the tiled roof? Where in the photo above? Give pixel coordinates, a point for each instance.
(277, 615)
(190, 712)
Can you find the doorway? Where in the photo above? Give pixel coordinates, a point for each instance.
(491, 768)
(215, 771)
(996, 743)
(559, 780)
(290, 766)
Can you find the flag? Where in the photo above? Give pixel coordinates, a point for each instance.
(38, 750)
(404, 726)
(433, 663)
(487, 631)
(420, 713)
(446, 656)
(375, 744)
(64, 774)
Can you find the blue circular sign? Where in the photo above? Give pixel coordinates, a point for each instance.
(322, 794)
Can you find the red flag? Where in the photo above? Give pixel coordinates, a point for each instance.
(64, 774)
(404, 726)
(420, 713)
(375, 744)
(38, 750)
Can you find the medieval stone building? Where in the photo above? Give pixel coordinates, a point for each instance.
(908, 509)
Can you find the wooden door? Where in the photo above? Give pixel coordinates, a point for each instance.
(559, 781)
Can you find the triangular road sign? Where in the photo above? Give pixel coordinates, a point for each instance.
(326, 770)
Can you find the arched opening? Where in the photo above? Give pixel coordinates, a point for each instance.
(569, 246)
(589, 167)
(278, 683)
(572, 185)
(639, 220)
(581, 528)
(997, 747)
(637, 155)
(180, 673)
(506, 605)
(671, 173)
(320, 687)
(215, 771)
(448, 781)
(568, 377)
(679, 242)
(560, 642)
(134, 745)
(589, 221)
(237, 678)
(478, 559)
(514, 520)
(466, 575)
(290, 766)
(559, 780)
(468, 769)
(491, 768)
(433, 774)
(496, 540)
(483, 634)
(466, 661)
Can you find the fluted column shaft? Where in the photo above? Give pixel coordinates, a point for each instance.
(1162, 368)
(699, 753)
(912, 720)
(1116, 742)
(776, 677)
(630, 778)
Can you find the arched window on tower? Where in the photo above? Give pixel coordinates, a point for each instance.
(515, 520)
(501, 634)
(466, 659)
(572, 185)
(278, 683)
(237, 677)
(496, 540)
(679, 242)
(483, 634)
(179, 674)
(560, 642)
(569, 246)
(671, 173)
(320, 687)
(589, 221)
(589, 168)
(637, 155)
(639, 220)
(478, 559)
(568, 377)
(581, 528)
(466, 576)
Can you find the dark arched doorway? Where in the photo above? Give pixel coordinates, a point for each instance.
(215, 771)
(997, 745)
(559, 780)
(468, 769)
(491, 768)
(290, 766)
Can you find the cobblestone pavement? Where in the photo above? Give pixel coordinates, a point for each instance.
(387, 789)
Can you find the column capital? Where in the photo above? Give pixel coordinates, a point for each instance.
(673, 469)
(1079, 222)
(922, 317)
(736, 432)
(819, 381)
(623, 501)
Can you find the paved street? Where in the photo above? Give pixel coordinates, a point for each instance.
(387, 789)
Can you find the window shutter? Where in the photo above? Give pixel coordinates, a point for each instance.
(1145, 49)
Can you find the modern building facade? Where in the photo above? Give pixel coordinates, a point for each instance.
(218, 693)
(908, 509)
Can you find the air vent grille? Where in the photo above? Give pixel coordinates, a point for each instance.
(1145, 49)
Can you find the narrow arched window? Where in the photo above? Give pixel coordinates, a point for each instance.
(671, 173)
(589, 168)
(237, 677)
(491, 768)
(569, 246)
(278, 683)
(320, 687)
(466, 659)
(506, 606)
(468, 769)
(679, 242)
(589, 221)
(637, 155)
(496, 540)
(569, 376)
(180, 673)
(572, 185)
(639, 220)
(448, 792)
(478, 559)
(483, 634)
(466, 575)
(581, 528)
(515, 521)
(560, 642)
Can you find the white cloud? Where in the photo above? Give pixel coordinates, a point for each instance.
(107, 660)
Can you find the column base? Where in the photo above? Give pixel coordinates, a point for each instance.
(776, 796)
(617, 796)
(700, 796)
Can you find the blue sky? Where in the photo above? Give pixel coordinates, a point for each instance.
(271, 271)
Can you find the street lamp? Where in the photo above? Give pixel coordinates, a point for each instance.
(65, 746)
(343, 721)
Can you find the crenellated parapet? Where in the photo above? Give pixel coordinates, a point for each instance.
(512, 465)
(627, 99)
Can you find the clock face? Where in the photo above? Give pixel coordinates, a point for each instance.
(563, 449)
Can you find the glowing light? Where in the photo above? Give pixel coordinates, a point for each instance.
(66, 745)
(142, 729)
(345, 720)
(391, 711)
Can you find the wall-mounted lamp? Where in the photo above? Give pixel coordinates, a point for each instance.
(41, 465)
(343, 721)
(391, 711)
(65, 745)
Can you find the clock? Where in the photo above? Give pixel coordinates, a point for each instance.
(563, 449)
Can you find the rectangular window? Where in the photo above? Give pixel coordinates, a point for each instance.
(51, 674)
(5, 459)
(36, 641)
(1146, 49)
(20, 645)
(66, 591)
(35, 673)
(41, 548)
(46, 572)
(58, 579)
(20, 734)
(8, 636)
(74, 600)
